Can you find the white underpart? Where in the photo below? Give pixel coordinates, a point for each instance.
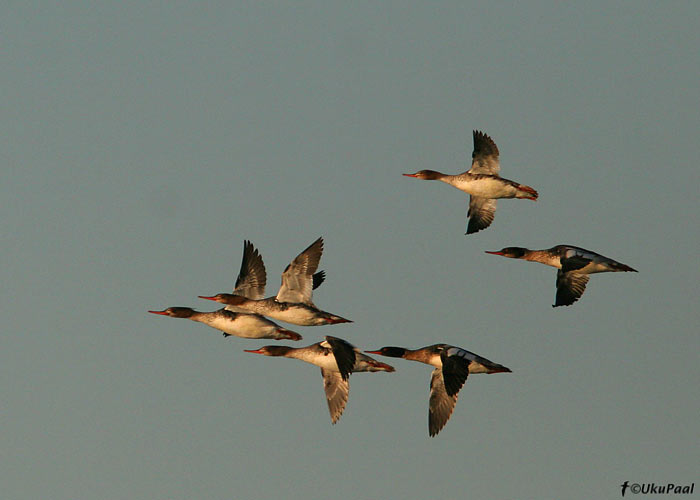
(245, 325)
(486, 187)
(326, 362)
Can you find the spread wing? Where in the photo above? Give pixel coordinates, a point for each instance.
(485, 155)
(481, 213)
(344, 353)
(441, 404)
(318, 279)
(337, 391)
(570, 287)
(252, 277)
(297, 279)
(455, 368)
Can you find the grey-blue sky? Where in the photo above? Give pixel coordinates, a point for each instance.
(143, 143)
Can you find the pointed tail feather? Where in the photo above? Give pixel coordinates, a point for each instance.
(500, 369)
(333, 320)
(288, 334)
(623, 267)
(527, 192)
(381, 366)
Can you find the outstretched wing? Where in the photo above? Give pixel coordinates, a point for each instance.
(570, 287)
(337, 391)
(485, 155)
(481, 213)
(318, 279)
(455, 368)
(252, 277)
(441, 404)
(344, 353)
(297, 279)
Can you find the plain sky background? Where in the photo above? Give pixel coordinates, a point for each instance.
(142, 142)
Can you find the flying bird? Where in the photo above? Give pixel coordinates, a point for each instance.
(337, 359)
(293, 302)
(482, 182)
(244, 325)
(452, 367)
(574, 264)
(239, 323)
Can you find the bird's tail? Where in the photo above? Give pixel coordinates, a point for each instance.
(378, 366)
(619, 267)
(332, 319)
(288, 334)
(526, 192)
(499, 369)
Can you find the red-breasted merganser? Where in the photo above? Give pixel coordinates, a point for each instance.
(574, 264)
(337, 359)
(244, 325)
(452, 366)
(482, 182)
(293, 301)
(252, 276)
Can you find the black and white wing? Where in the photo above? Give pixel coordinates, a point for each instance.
(455, 368)
(576, 258)
(441, 404)
(344, 353)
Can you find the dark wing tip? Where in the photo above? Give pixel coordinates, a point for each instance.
(476, 224)
(570, 286)
(481, 213)
(317, 245)
(252, 276)
(564, 299)
(318, 278)
(483, 145)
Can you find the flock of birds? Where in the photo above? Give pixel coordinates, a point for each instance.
(247, 311)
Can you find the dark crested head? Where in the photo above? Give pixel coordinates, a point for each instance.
(225, 298)
(176, 312)
(392, 352)
(426, 175)
(271, 350)
(512, 252)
